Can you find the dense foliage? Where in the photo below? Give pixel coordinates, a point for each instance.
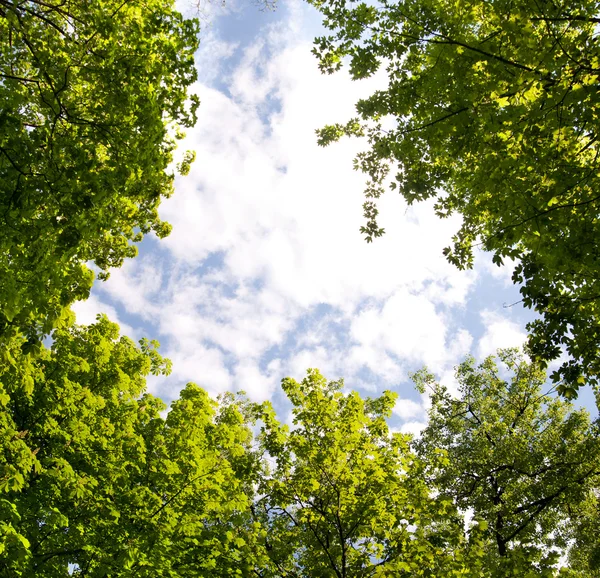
(99, 478)
(91, 474)
(524, 462)
(345, 496)
(91, 95)
(491, 109)
(95, 479)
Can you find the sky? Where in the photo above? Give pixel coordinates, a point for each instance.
(266, 273)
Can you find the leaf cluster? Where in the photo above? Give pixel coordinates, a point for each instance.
(96, 479)
(491, 109)
(523, 460)
(91, 95)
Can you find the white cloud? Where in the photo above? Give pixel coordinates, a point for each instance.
(502, 273)
(212, 53)
(202, 365)
(413, 427)
(410, 327)
(266, 231)
(500, 332)
(87, 311)
(407, 408)
(447, 379)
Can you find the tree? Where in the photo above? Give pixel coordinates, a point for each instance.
(523, 461)
(94, 482)
(584, 556)
(491, 110)
(92, 95)
(343, 496)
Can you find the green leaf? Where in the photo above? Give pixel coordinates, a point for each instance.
(487, 113)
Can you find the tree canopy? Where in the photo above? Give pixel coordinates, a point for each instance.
(100, 478)
(525, 462)
(343, 496)
(91, 97)
(491, 110)
(95, 482)
(95, 479)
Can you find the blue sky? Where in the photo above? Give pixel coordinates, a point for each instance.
(265, 273)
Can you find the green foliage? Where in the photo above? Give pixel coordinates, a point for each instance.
(344, 497)
(92, 475)
(584, 556)
(91, 95)
(96, 481)
(523, 461)
(491, 110)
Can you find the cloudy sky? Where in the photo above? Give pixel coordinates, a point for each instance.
(265, 273)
